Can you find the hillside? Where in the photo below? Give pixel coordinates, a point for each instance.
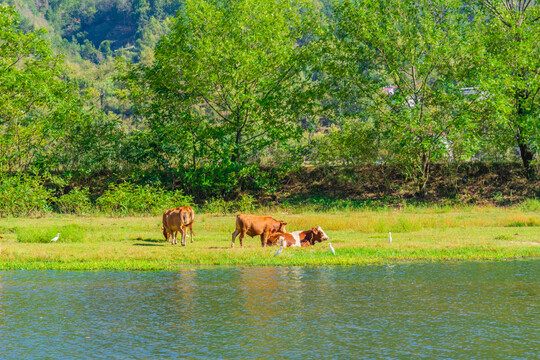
(95, 29)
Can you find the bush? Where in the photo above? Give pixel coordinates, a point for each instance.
(23, 195)
(218, 206)
(246, 204)
(129, 199)
(77, 201)
(530, 205)
(68, 233)
(227, 181)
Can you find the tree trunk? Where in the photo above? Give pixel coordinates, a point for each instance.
(424, 178)
(527, 156)
(236, 152)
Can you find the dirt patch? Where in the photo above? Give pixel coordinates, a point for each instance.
(471, 183)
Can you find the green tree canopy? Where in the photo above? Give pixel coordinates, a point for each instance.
(228, 80)
(508, 61)
(398, 62)
(44, 121)
(30, 87)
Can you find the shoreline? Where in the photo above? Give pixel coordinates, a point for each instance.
(43, 266)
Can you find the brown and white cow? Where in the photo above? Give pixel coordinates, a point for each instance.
(178, 219)
(256, 225)
(299, 238)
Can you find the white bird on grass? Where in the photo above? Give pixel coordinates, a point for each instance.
(56, 238)
(390, 237)
(279, 251)
(332, 248)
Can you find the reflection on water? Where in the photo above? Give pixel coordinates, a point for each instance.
(458, 310)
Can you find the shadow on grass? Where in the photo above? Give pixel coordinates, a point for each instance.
(150, 242)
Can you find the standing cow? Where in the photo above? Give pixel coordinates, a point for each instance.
(178, 219)
(256, 225)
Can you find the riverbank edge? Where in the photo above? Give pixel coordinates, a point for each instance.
(138, 265)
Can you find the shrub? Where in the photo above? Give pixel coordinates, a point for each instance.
(246, 204)
(530, 205)
(218, 206)
(23, 195)
(222, 180)
(129, 199)
(77, 201)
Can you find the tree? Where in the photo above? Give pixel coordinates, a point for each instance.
(29, 80)
(508, 57)
(397, 63)
(45, 123)
(227, 80)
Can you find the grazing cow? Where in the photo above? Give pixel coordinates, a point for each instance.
(299, 238)
(175, 220)
(256, 225)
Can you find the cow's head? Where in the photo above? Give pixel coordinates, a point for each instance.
(165, 233)
(324, 236)
(318, 235)
(281, 227)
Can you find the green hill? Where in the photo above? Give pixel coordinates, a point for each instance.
(95, 29)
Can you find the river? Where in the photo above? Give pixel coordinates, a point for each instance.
(458, 310)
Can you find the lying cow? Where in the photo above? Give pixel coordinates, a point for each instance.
(178, 219)
(299, 238)
(256, 225)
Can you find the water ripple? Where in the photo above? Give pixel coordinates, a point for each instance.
(455, 310)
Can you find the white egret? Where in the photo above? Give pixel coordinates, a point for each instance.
(279, 251)
(56, 237)
(390, 237)
(332, 248)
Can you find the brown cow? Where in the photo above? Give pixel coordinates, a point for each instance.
(178, 219)
(256, 225)
(299, 238)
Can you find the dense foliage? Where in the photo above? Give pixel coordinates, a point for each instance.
(46, 122)
(219, 99)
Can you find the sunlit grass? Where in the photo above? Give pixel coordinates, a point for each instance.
(359, 237)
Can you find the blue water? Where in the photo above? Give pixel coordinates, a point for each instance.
(484, 310)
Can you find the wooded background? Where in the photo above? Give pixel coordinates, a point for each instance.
(219, 99)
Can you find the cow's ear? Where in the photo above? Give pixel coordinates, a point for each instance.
(284, 223)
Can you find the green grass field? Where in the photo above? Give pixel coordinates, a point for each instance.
(136, 243)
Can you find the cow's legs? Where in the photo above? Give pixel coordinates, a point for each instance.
(183, 233)
(264, 238)
(174, 239)
(191, 232)
(234, 235)
(242, 235)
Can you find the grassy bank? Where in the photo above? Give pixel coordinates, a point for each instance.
(359, 237)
